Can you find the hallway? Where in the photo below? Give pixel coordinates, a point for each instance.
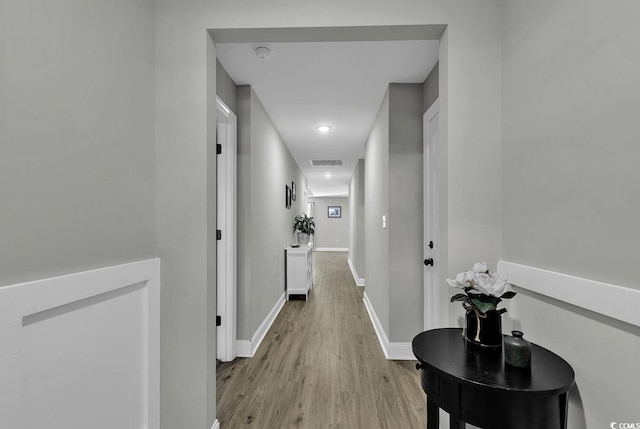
(321, 366)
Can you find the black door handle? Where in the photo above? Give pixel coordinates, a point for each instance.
(430, 245)
(428, 261)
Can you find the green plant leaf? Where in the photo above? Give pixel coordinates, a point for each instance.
(483, 306)
(459, 297)
(508, 295)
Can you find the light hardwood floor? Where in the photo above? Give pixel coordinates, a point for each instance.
(321, 366)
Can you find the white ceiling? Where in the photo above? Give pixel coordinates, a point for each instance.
(304, 84)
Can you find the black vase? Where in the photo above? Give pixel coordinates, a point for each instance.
(484, 330)
(517, 350)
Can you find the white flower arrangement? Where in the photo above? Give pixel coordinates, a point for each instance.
(482, 291)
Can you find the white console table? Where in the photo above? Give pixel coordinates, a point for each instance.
(298, 270)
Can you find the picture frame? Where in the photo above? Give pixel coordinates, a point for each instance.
(287, 196)
(293, 191)
(334, 211)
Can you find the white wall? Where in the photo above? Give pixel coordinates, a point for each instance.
(77, 154)
(331, 233)
(571, 73)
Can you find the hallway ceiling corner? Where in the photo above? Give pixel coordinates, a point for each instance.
(341, 84)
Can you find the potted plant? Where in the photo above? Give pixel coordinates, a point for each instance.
(304, 226)
(482, 294)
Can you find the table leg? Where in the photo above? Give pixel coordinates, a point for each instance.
(433, 415)
(455, 422)
(564, 409)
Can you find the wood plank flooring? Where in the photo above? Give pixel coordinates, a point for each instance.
(321, 366)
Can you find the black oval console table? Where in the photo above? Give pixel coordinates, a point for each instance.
(474, 385)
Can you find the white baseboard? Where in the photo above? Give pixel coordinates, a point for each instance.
(247, 348)
(358, 280)
(614, 301)
(331, 249)
(392, 350)
(216, 425)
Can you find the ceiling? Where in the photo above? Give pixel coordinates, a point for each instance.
(341, 84)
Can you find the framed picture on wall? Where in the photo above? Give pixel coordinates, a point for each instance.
(293, 191)
(287, 196)
(334, 211)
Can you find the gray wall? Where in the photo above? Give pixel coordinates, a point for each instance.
(430, 88)
(376, 204)
(265, 226)
(245, 203)
(186, 221)
(393, 187)
(331, 232)
(77, 151)
(226, 88)
(405, 212)
(185, 74)
(470, 53)
(570, 188)
(356, 219)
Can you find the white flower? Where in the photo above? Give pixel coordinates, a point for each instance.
(462, 280)
(480, 267)
(494, 285)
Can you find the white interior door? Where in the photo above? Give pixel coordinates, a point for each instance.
(226, 222)
(431, 221)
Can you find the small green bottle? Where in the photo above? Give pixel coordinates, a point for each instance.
(517, 350)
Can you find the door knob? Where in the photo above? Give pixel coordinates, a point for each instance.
(428, 261)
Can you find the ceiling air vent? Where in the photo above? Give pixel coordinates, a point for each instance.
(325, 162)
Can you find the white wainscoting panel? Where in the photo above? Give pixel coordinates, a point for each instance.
(392, 350)
(614, 301)
(82, 350)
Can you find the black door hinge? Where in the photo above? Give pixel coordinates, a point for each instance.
(218, 234)
(218, 320)
(218, 148)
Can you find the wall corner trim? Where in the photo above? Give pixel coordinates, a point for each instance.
(617, 302)
(216, 425)
(248, 348)
(358, 280)
(392, 350)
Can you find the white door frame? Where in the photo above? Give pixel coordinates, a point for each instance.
(431, 192)
(227, 124)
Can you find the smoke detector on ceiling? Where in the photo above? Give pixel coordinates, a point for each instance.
(263, 52)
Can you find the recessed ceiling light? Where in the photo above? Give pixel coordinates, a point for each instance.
(328, 175)
(323, 128)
